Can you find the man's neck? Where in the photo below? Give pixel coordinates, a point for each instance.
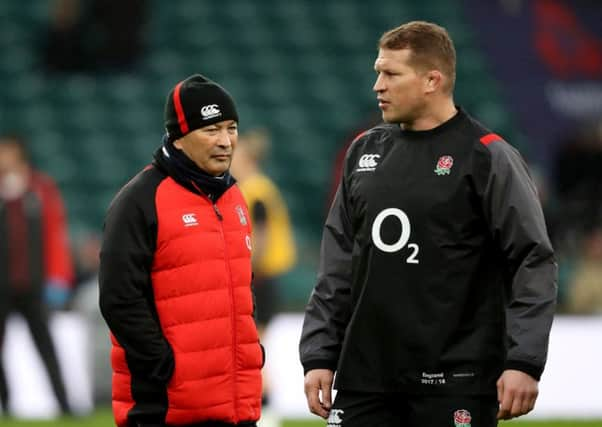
(433, 116)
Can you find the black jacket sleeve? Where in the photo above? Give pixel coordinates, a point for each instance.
(517, 224)
(329, 309)
(126, 299)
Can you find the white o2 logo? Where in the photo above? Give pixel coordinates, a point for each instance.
(403, 238)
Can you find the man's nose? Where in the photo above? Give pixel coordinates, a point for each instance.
(225, 138)
(378, 85)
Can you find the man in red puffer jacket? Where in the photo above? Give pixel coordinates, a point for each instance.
(175, 276)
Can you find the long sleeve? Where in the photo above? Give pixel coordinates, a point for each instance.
(58, 266)
(126, 299)
(517, 224)
(329, 307)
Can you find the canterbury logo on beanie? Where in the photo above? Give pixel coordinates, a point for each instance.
(194, 103)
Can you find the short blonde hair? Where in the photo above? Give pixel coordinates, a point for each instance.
(430, 44)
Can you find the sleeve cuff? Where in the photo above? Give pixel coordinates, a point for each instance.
(526, 367)
(319, 364)
(56, 294)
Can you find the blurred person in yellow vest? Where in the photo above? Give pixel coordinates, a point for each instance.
(274, 250)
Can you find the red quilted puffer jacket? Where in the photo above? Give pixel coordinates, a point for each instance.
(197, 357)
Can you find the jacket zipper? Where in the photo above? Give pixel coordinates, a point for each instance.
(218, 213)
(232, 306)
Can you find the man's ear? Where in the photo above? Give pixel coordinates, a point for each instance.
(433, 81)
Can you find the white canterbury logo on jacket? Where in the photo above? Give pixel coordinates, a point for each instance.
(368, 162)
(189, 219)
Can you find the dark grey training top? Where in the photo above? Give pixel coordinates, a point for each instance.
(436, 270)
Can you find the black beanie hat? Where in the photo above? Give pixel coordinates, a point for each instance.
(194, 103)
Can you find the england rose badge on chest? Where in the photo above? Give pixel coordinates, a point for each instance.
(444, 165)
(462, 418)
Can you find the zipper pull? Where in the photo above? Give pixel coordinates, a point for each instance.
(217, 212)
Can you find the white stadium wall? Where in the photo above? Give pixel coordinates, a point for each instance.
(30, 391)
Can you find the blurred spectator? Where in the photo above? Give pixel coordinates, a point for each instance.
(35, 263)
(586, 286)
(274, 251)
(63, 46)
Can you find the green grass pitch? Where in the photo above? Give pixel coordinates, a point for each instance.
(103, 418)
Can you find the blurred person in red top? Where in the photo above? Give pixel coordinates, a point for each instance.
(35, 262)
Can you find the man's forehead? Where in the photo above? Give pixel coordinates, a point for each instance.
(387, 57)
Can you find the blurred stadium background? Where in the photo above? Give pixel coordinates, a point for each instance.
(531, 70)
(303, 69)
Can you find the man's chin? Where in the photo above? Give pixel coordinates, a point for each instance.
(391, 120)
(220, 169)
(388, 117)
